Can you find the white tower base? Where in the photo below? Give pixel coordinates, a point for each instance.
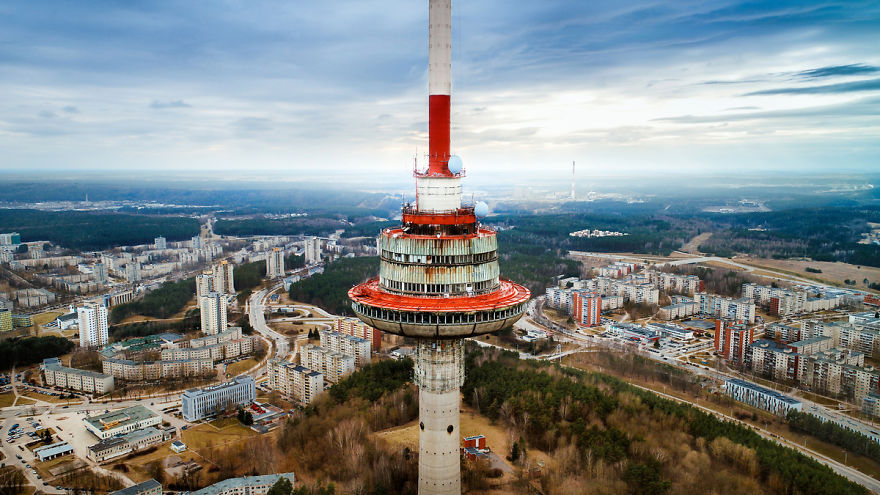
(439, 374)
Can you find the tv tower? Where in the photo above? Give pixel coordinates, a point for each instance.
(572, 181)
(439, 280)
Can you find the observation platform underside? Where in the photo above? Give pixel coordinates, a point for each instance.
(439, 317)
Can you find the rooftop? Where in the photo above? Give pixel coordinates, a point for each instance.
(233, 483)
(117, 418)
(148, 485)
(762, 390)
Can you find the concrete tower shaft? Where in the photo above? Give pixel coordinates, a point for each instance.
(439, 373)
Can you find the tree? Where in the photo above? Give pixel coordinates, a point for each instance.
(281, 487)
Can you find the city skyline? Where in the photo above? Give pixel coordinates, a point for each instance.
(290, 90)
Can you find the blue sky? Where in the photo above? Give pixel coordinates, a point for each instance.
(308, 88)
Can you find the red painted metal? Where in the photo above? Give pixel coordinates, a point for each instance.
(461, 216)
(370, 294)
(483, 231)
(438, 136)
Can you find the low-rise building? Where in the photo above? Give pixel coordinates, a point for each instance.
(671, 331)
(149, 487)
(126, 443)
(52, 451)
(634, 332)
(199, 403)
(122, 421)
(247, 485)
(760, 397)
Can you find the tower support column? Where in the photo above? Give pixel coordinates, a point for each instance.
(439, 373)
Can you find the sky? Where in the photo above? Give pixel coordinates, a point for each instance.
(256, 89)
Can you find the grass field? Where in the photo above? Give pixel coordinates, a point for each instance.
(7, 399)
(47, 398)
(24, 401)
(240, 367)
(43, 318)
(204, 435)
(221, 423)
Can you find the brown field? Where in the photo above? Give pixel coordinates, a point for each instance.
(43, 318)
(693, 246)
(498, 438)
(240, 367)
(204, 435)
(7, 399)
(46, 398)
(832, 272)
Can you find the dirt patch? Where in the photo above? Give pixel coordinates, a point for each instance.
(693, 246)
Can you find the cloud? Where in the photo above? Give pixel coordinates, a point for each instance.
(46, 114)
(839, 70)
(169, 104)
(70, 109)
(847, 87)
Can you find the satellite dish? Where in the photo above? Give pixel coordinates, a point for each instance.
(481, 209)
(455, 164)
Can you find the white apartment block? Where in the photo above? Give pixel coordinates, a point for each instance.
(357, 328)
(854, 336)
(133, 271)
(347, 345)
(223, 278)
(55, 375)
(672, 282)
(333, 365)
(93, 330)
(784, 302)
(294, 381)
(312, 250)
(679, 310)
(160, 243)
(275, 263)
(213, 313)
(725, 307)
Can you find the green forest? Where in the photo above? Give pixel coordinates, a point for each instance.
(191, 322)
(289, 226)
(607, 436)
(25, 351)
(246, 276)
(163, 302)
(329, 290)
(90, 231)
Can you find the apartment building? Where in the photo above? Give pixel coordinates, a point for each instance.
(587, 307)
(55, 375)
(93, 329)
(333, 365)
(356, 328)
(295, 381)
(679, 310)
(347, 345)
(726, 308)
(275, 263)
(672, 282)
(732, 340)
(213, 313)
(312, 250)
